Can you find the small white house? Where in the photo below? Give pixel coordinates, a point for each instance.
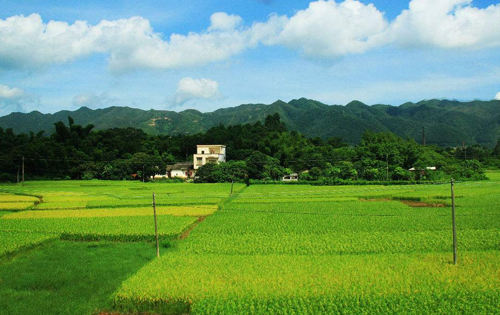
(215, 153)
(290, 177)
(428, 168)
(182, 170)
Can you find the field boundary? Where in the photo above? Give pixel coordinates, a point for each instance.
(190, 228)
(26, 248)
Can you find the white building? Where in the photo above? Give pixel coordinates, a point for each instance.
(205, 153)
(290, 177)
(182, 170)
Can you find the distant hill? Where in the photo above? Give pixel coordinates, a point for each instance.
(447, 123)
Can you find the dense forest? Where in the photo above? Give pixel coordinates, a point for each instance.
(446, 122)
(260, 151)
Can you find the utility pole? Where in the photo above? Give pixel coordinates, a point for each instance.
(465, 150)
(156, 228)
(18, 167)
(232, 182)
(143, 173)
(453, 222)
(423, 135)
(23, 171)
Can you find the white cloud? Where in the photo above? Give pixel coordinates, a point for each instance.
(328, 29)
(447, 24)
(190, 89)
(13, 99)
(7, 93)
(497, 97)
(29, 43)
(223, 21)
(92, 100)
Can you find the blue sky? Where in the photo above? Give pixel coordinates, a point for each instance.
(207, 55)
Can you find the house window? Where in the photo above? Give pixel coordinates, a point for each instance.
(202, 152)
(199, 161)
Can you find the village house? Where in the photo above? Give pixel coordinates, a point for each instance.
(204, 154)
(181, 170)
(209, 154)
(290, 177)
(423, 170)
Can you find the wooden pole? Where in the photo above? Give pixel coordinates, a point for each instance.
(453, 222)
(23, 172)
(156, 228)
(143, 173)
(18, 167)
(232, 182)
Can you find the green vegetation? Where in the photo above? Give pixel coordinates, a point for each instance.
(268, 249)
(119, 211)
(297, 284)
(118, 228)
(331, 250)
(180, 211)
(493, 175)
(39, 274)
(446, 122)
(262, 151)
(68, 278)
(11, 241)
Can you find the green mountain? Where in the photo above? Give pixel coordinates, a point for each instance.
(446, 123)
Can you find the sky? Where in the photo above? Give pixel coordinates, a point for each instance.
(205, 55)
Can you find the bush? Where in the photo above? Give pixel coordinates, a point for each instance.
(6, 177)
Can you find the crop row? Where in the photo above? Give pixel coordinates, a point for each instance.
(11, 241)
(137, 228)
(341, 243)
(194, 211)
(12, 206)
(16, 198)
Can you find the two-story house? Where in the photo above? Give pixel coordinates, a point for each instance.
(204, 154)
(215, 154)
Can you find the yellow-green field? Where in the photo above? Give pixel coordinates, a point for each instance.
(278, 249)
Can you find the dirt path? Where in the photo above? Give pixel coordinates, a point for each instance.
(420, 204)
(191, 228)
(410, 203)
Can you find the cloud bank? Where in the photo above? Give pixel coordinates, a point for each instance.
(92, 100)
(325, 30)
(497, 97)
(13, 99)
(191, 89)
(328, 29)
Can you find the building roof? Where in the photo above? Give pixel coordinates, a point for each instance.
(429, 168)
(180, 166)
(210, 145)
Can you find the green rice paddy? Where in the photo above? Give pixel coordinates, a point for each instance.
(275, 249)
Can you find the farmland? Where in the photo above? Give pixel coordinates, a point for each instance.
(268, 249)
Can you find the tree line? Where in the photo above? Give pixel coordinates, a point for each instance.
(262, 151)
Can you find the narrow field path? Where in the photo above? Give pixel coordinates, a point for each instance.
(186, 233)
(200, 219)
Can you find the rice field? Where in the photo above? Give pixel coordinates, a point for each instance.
(12, 241)
(280, 249)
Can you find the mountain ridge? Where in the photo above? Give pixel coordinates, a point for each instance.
(447, 122)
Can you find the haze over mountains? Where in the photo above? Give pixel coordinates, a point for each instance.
(447, 123)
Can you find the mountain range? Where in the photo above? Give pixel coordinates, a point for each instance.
(446, 122)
